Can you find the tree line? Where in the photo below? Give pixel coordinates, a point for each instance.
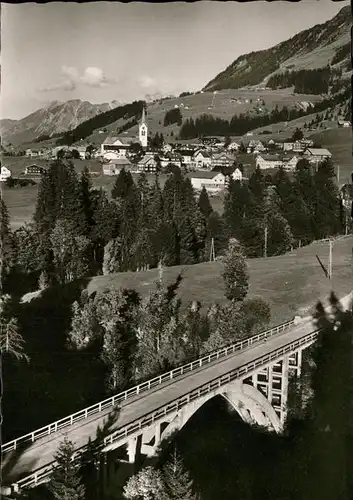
(205, 125)
(311, 81)
(77, 231)
(173, 116)
(303, 209)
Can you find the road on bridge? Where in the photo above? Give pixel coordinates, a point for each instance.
(41, 452)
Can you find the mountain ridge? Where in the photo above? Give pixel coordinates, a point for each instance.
(54, 118)
(312, 48)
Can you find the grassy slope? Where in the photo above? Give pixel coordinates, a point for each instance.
(339, 142)
(291, 283)
(199, 104)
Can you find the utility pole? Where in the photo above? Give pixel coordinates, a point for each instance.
(265, 245)
(338, 174)
(212, 252)
(330, 260)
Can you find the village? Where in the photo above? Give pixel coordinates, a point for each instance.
(209, 162)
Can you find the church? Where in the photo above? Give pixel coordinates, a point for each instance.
(116, 147)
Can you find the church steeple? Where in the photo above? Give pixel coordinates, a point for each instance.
(143, 119)
(143, 129)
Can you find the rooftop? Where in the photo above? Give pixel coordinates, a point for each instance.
(202, 175)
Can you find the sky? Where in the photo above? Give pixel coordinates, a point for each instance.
(103, 51)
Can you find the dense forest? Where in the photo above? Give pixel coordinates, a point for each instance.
(315, 81)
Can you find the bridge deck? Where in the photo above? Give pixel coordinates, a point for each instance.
(41, 452)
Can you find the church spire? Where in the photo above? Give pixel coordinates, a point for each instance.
(143, 119)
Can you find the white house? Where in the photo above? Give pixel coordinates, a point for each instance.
(317, 154)
(289, 163)
(221, 160)
(116, 147)
(202, 159)
(233, 146)
(168, 158)
(237, 175)
(268, 161)
(213, 182)
(5, 174)
(147, 164)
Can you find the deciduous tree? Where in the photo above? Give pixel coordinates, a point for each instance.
(235, 274)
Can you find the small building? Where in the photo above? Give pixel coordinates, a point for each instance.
(5, 174)
(344, 123)
(233, 146)
(202, 159)
(221, 160)
(34, 170)
(115, 166)
(81, 151)
(186, 156)
(147, 164)
(169, 158)
(213, 182)
(317, 154)
(290, 162)
(237, 175)
(115, 147)
(268, 161)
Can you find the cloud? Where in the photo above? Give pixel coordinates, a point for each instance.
(146, 82)
(71, 78)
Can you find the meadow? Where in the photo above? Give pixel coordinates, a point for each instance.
(291, 283)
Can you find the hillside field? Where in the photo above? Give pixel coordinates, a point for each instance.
(218, 105)
(291, 283)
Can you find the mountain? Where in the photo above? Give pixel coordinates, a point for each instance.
(55, 118)
(319, 46)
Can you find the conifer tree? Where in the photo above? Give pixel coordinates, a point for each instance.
(216, 229)
(177, 480)
(204, 203)
(59, 197)
(257, 187)
(235, 274)
(305, 187)
(159, 335)
(327, 212)
(6, 244)
(123, 184)
(70, 252)
(235, 207)
(65, 482)
(87, 199)
(11, 340)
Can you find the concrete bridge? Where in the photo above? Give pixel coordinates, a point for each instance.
(251, 375)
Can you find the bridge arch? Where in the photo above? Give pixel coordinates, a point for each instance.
(247, 401)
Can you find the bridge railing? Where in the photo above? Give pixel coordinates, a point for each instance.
(208, 387)
(144, 386)
(42, 474)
